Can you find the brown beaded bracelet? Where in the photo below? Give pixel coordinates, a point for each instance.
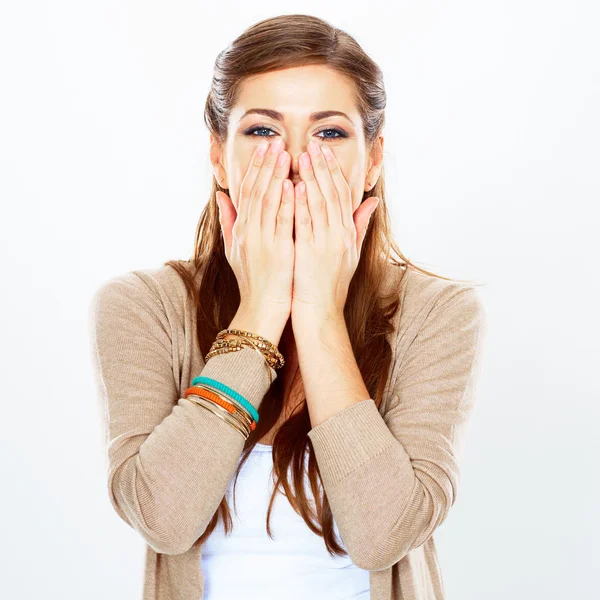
(261, 342)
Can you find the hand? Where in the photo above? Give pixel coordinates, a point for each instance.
(258, 235)
(329, 235)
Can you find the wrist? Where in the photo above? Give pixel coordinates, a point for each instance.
(260, 322)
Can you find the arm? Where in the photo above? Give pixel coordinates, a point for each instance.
(169, 461)
(391, 480)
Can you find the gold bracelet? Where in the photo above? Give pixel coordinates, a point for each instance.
(227, 350)
(211, 406)
(226, 346)
(252, 344)
(223, 346)
(263, 343)
(239, 341)
(241, 414)
(220, 412)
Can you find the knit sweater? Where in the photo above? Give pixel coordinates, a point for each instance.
(390, 473)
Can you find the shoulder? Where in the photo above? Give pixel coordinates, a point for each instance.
(425, 297)
(441, 324)
(158, 290)
(421, 292)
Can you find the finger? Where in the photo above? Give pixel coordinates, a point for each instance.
(316, 202)
(261, 184)
(341, 185)
(303, 225)
(362, 217)
(285, 215)
(272, 198)
(249, 179)
(326, 184)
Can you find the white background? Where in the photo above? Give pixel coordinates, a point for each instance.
(492, 159)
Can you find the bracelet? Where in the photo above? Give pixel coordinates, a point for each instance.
(270, 366)
(212, 408)
(231, 407)
(263, 344)
(226, 346)
(221, 387)
(234, 408)
(238, 344)
(241, 338)
(217, 408)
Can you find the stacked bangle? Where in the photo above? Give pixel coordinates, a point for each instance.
(212, 407)
(206, 391)
(222, 400)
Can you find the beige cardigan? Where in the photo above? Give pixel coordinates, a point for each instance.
(391, 475)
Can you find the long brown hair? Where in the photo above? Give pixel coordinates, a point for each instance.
(276, 43)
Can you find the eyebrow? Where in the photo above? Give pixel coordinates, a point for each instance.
(316, 116)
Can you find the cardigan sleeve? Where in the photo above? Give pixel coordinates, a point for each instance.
(169, 461)
(391, 480)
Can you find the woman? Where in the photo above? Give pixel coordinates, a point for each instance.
(289, 342)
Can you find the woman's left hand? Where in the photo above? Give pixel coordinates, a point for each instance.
(329, 235)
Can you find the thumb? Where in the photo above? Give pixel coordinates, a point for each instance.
(227, 217)
(362, 218)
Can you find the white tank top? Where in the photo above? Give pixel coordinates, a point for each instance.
(294, 565)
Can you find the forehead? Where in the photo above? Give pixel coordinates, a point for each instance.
(297, 92)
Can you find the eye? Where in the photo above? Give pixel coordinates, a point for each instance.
(253, 130)
(339, 133)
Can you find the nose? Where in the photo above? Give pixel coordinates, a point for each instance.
(295, 150)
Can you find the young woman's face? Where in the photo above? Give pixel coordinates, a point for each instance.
(297, 93)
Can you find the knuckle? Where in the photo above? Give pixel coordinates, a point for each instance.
(266, 200)
(255, 194)
(319, 161)
(246, 188)
(283, 219)
(334, 168)
(241, 236)
(270, 159)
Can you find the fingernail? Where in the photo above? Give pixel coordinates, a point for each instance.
(305, 160)
(313, 148)
(276, 146)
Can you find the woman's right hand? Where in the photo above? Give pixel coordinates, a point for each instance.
(258, 235)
